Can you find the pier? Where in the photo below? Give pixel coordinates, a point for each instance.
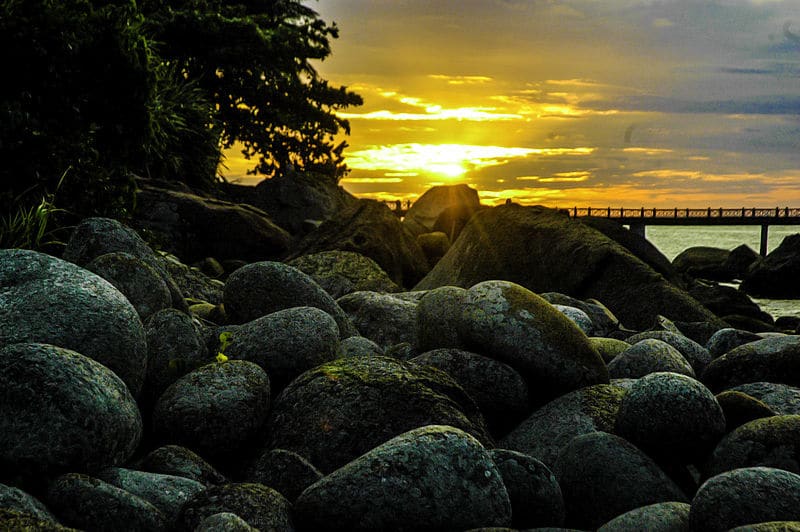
(639, 219)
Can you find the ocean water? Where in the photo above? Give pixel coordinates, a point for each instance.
(671, 240)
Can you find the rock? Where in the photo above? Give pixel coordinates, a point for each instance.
(286, 343)
(293, 198)
(533, 490)
(371, 229)
(550, 428)
(774, 359)
(340, 410)
(740, 259)
(174, 348)
(699, 331)
(704, 262)
(358, 346)
(224, 522)
(784, 400)
(215, 410)
(422, 215)
(61, 411)
(18, 520)
(262, 288)
(434, 245)
(726, 301)
(138, 282)
(648, 356)
(499, 391)
(629, 480)
(194, 227)
(601, 318)
(776, 275)
(694, 353)
(647, 417)
(608, 348)
(402, 351)
(193, 283)
(168, 493)
(433, 477)
(47, 300)
(94, 237)
(259, 506)
(740, 408)
(773, 526)
(342, 272)
(771, 442)
(509, 323)
(182, 462)
(787, 323)
(749, 323)
(438, 314)
(452, 220)
(89, 503)
(12, 498)
(284, 471)
(545, 251)
(383, 318)
(744, 496)
(726, 339)
(659, 517)
(210, 267)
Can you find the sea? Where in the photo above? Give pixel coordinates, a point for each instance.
(671, 240)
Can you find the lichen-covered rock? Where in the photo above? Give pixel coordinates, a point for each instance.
(340, 410)
(507, 322)
(671, 416)
(608, 348)
(12, 498)
(536, 499)
(659, 517)
(259, 506)
(770, 442)
(284, 471)
(772, 526)
(286, 343)
(383, 318)
(694, 353)
(180, 461)
(433, 477)
(775, 359)
(139, 282)
(262, 288)
(579, 318)
(434, 245)
(224, 522)
(550, 428)
(215, 410)
(745, 496)
(421, 217)
(783, 399)
(627, 478)
(603, 320)
(47, 300)
(438, 314)
(740, 408)
(358, 346)
(91, 504)
(648, 356)
(11, 519)
(499, 391)
(192, 282)
(61, 411)
(342, 272)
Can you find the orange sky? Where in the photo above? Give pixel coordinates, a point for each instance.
(685, 103)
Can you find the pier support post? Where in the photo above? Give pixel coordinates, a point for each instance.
(638, 229)
(764, 238)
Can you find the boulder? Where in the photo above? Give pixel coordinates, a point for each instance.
(695, 354)
(608, 348)
(783, 399)
(47, 300)
(726, 301)
(704, 262)
(262, 288)
(284, 471)
(383, 318)
(432, 478)
(726, 339)
(771, 442)
(740, 259)
(777, 275)
(438, 314)
(224, 522)
(358, 346)
(194, 227)
(340, 410)
(549, 429)
(648, 356)
(659, 517)
(628, 478)
(507, 322)
(775, 359)
(452, 220)
(745, 496)
(434, 245)
(373, 230)
(647, 417)
(61, 411)
(193, 283)
(180, 461)
(12, 498)
(499, 391)
(11, 519)
(342, 272)
(421, 217)
(215, 410)
(771, 526)
(740, 408)
(546, 251)
(603, 321)
(259, 506)
(536, 499)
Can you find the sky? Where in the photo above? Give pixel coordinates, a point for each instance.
(571, 102)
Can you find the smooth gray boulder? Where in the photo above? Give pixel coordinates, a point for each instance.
(783, 399)
(769, 442)
(383, 318)
(775, 359)
(658, 517)
(182, 462)
(259, 506)
(648, 356)
(342, 272)
(284, 471)
(694, 353)
(438, 314)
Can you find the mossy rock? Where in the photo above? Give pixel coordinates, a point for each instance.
(694, 353)
(182, 462)
(783, 399)
(224, 522)
(438, 314)
(383, 318)
(12, 498)
(740, 408)
(774, 526)
(659, 517)
(342, 272)
(284, 471)
(20, 521)
(775, 359)
(259, 506)
(608, 348)
(648, 356)
(729, 338)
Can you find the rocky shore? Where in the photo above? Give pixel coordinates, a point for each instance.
(518, 370)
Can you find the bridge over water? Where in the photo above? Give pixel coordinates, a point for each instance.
(639, 219)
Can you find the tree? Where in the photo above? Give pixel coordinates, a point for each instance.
(254, 59)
